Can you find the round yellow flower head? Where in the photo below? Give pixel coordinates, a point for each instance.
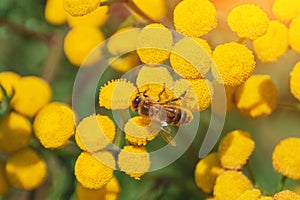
(15, 132)
(54, 124)
(286, 10)
(252, 194)
(25, 169)
(116, 94)
(286, 195)
(248, 21)
(265, 198)
(191, 58)
(231, 184)
(286, 159)
(140, 130)
(83, 193)
(124, 64)
(295, 81)
(31, 94)
(95, 133)
(235, 149)
(218, 99)
(80, 42)
(134, 161)
(206, 172)
(234, 63)
(112, 189)
(55, 13)
(273, 44)
(155, 9)
(154, 44)
(91, 173)
(257, 97)
(8, 81)
(294, 34)
(4, 185)
(80, 7)
(195, 18)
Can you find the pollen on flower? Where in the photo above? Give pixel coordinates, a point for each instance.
(248, 21)
(134, 161)
(7, 81)
(234, 63)
(4, 185)
(195, 18)
(285, 158)
(80, 7)
(55, 13)
(295, 81)
(257, 97)
(155, 9)
(286, 10)
(116, 94)
(83, 193)
(252, 194)
(20, 167)
(294, 34)
(286, 195)
(191, 57)
(112, 189)
(154, 44)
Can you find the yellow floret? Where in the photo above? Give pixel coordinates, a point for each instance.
(54, 124)
(25, 169)
(31, 94)
(155, 9)
(252, 194)
(191, 58)
(295, 81)
(234, 63)
(286, 10)
(124, 63)
(8, 81)
(134, 161)
(112, 189)
(4, 185)
(294, 31)
(286, 159)
(80, 7)
(15, 132)
(195, 18)
(231, 184)
(257, 97)
(55, 13)
(286, 195)
(80, 42)
(154, 44)
(83, 193)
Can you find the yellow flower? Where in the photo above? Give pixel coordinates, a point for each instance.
(80, 7)
(95, 133)
(248, 21)
(218, 99)
(231, 184)
(273, 44)
(206, 172)
(112, 189)
(191, 58)
(235, 149)
(286, 195)
(195, 18)
(91, 173)
(154, 44)
(55, 13)
(8, 81)
(83, 193)
(253, 194)
(15, 132)
(31, 94)
(286, 159)
(155, 9)
(4, 185)
(78, 46)
(234, 63)
(116, 94)
(124, 64)
(54, 124)
(140, 130)
(25, 169)
(265, 198)
(257, 97)
(286, 10)
(295, 81)
(134, 161)
(294, 34)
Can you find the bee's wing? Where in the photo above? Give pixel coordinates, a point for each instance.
(165, 133)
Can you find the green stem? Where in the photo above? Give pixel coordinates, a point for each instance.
(290, 106)
(250, 170)
(281, 183)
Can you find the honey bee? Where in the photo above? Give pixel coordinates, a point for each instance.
(162, 112)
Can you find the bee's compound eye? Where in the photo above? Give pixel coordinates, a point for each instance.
(135, 103)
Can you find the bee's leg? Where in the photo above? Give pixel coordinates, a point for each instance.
(176, 99)
(161, 92)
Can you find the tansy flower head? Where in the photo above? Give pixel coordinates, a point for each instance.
(218, 97)
(83, 193)
(248, 21)
(191, 58)
(95, 132)
(91, 173)
(294, 34)
(140, 130)
(273, 44)
(31, 94)
(234, 63)
(15, 131)
(154, 44)
(286, 10)
(235, 149)
(80, 7)
(134, 161)
(195, 18)
(286, 159)
(4, 185)
(286, 195)
(25, 169)
(257, 97)
(7, 81)
(54, 124)
(112, 189)
(155, 9)
(252, 194)
(265, 198)
(206, 172)
(55, 13)
(124, 63)
(116, 94)
(295, 81)
(231, 184)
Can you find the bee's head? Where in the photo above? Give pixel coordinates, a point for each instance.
(136, 101)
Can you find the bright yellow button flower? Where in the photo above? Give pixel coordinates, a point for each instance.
(112, 189)
(125, 63)
(252, 194)
(4, 185)
(80, 7)
(83, 193)
(7, 81)
(55, 13)
(286, 195)
(295, 81)
(294, 34)
(155, 9)
(286, 10)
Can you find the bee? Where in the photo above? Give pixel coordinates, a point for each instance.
(164, 113)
